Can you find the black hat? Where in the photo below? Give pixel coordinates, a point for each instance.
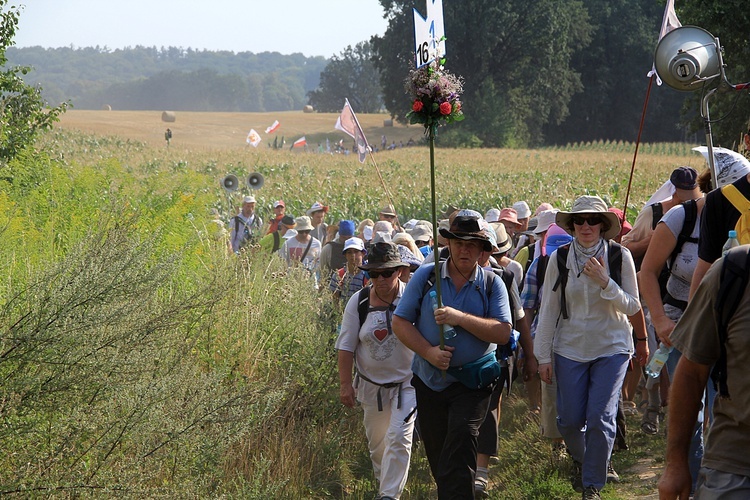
(684, 178)
(288, 221)
(467, 225)
(382, 255)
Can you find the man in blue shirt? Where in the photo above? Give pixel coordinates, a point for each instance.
(450, 412)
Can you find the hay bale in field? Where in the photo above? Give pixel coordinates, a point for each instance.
(168, 116)
(387, 123)
(308, 109)
(106, 107)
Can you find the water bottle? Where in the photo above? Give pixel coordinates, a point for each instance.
(657, 361)
(731, 242)
(448, 331)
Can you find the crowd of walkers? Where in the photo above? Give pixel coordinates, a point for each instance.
(574, 301)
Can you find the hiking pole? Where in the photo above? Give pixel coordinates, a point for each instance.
(635, 153)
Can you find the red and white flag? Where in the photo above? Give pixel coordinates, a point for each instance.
(273, 128)
(668, 23)
(299, 142)
(253, 138)
(347, 122)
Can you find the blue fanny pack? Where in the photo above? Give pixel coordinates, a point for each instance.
(478, 374)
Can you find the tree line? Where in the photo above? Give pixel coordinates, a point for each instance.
(536, 73)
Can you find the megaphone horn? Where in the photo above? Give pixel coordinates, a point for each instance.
(255, 181)
(230, 183)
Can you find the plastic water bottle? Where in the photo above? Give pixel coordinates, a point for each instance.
(448, 331)
(653, 368)
(731, 242)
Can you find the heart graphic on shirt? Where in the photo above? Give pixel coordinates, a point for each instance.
(380, 334)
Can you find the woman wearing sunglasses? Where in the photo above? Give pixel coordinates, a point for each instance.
(589, 337)
(383, 369)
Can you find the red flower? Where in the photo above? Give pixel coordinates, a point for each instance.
(457, 107)
(417, 106)
(445, 108)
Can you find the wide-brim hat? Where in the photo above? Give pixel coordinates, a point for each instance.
(510, 216)
(545, 219)
(590, 205)
(465, 225)
(522, 209)
(383, 255)
(504, 242)
(388, 210)
(421, 233)
(303, 223)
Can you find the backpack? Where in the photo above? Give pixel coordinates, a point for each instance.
(732, 284)
(691, 216)
(657, 212)
(247, 234)
(363, 305)
(742, 205)
(276, 242)
(614, 254)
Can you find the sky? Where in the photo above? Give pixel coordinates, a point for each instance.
(311, 27)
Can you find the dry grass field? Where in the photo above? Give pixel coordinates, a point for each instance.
(205, 130)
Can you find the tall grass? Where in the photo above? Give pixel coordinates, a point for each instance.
(138, 359)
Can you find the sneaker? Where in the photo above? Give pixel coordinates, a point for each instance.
(576, 477)
(480, 488)
(612, 475)
(591, 493)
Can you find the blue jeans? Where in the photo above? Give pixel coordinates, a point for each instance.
(695, 454)
(588, 394)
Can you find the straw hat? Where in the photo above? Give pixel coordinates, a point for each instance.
(590, 205)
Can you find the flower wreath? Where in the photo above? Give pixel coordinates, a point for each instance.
(435, 95)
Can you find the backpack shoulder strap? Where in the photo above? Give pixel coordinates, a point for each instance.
(541, 270)
(691, 216)
(736, 198)
(658, 212)
(276, 241)
(363, 304)
(508, 277)
(562, 279)
(615, 261)
(732, 284)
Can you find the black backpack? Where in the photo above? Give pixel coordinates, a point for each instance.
(732, 284)
(614, 254)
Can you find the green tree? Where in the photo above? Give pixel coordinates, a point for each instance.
(23, 112)
(351, 75)
(522, 48)
(729, 20)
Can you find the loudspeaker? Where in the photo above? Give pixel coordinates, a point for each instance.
(255, 181)
(686, 57)
(230, 183)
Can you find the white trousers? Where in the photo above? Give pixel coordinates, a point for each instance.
(389, 437)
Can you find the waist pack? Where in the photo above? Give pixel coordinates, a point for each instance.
(478, 374)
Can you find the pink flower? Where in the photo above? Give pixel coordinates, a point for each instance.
(445, 108)
(417, 106)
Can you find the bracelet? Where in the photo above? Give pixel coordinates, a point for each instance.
(641, 340)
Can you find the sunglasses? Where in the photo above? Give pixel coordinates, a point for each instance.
(592, 221)
(384, 274)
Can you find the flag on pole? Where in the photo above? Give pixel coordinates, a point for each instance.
(273, 128)
(668, 23)
(347, 122)
(299, 142)
(253, 138)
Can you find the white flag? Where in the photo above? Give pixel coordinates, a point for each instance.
(347, 122)
(253, 138)
(668, 23)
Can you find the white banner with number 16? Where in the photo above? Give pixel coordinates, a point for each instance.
(429, 33)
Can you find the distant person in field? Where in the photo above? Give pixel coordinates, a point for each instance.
(168, 136)
(279, 209)
(317, 212)
(245, 227)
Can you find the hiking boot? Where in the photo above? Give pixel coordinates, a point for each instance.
(480, 488)
(591, 493)
(612, 475)
(576, 477)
